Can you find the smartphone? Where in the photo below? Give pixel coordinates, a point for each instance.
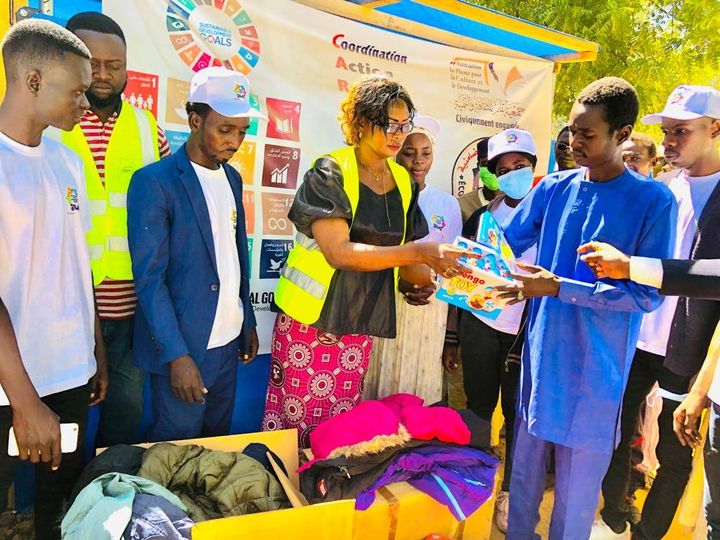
(68, 440)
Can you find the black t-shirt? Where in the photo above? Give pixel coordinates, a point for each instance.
(357, 302)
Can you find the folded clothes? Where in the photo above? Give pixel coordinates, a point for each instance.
(103, 509)
(213, 484)
(461, 478)
(345, 477)
(441, 423)
(154, 517)
(376, 425)
(370, 427)
(121, 458)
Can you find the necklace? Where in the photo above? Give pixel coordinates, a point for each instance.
(378, 178)
(387, 211)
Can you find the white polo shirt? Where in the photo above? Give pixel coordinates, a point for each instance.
(45, 277)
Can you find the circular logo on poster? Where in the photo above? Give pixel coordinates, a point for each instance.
(464, 174)
(219, 34)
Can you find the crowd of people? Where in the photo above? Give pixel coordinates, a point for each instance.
(123, 263)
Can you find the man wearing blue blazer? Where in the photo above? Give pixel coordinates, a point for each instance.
(186, 229)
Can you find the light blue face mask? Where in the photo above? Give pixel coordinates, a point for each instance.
(516, 184)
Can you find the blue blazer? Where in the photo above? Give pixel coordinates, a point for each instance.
(173, 262)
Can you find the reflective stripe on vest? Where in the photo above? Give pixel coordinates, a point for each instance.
(305, 282)
(132, 145)
(305, 279)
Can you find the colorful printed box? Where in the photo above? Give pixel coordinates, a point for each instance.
(473, 288)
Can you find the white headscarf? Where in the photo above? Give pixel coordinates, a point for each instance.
(428, 126)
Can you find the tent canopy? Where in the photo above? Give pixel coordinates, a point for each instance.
(457, 23)
(454, 22)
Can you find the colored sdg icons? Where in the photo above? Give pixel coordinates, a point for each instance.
(283, 119)
(141, 91)
(213, 33)
(281, 166)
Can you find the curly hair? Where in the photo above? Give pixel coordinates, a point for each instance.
(617, 97)
(368, 101)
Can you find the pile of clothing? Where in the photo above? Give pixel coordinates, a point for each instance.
(397, 439)
(128, 492)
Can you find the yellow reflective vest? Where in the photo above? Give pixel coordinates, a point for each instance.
(305, 279)
(133, 144)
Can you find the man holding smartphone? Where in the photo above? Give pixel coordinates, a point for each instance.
(48, 369)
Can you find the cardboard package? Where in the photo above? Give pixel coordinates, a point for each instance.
(473, 288)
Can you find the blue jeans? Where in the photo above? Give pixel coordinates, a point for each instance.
(120, 412)
(712, 474)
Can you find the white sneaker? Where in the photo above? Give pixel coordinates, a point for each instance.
(601, 531)
(502, 506)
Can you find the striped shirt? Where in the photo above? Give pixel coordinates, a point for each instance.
(115, 298)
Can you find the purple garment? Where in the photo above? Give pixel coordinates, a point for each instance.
(461, 478)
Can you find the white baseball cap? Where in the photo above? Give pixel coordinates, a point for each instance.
(227, 92)
(688, 102)
(510, 140)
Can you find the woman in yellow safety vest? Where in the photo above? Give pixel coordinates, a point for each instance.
(356, 214)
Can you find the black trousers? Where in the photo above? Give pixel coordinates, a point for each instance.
(52, 488)
(675, 460)
(484, 353)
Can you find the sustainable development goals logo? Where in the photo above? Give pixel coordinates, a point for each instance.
(218, 33)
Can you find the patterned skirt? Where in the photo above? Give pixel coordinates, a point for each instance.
(314, 376)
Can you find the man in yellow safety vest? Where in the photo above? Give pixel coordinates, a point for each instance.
(114, 139)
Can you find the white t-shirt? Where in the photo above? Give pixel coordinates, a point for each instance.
(442, 213)
(45, 276)
(509, 319)
(692, 194)
(229, 315)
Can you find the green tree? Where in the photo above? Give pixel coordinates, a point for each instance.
(655, 45)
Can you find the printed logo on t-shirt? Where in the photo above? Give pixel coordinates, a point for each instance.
(71, 196)
(438, 222)
(233, 219)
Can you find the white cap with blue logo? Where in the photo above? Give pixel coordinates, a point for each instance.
(227, 92)
(510, 140)
(688, 102)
